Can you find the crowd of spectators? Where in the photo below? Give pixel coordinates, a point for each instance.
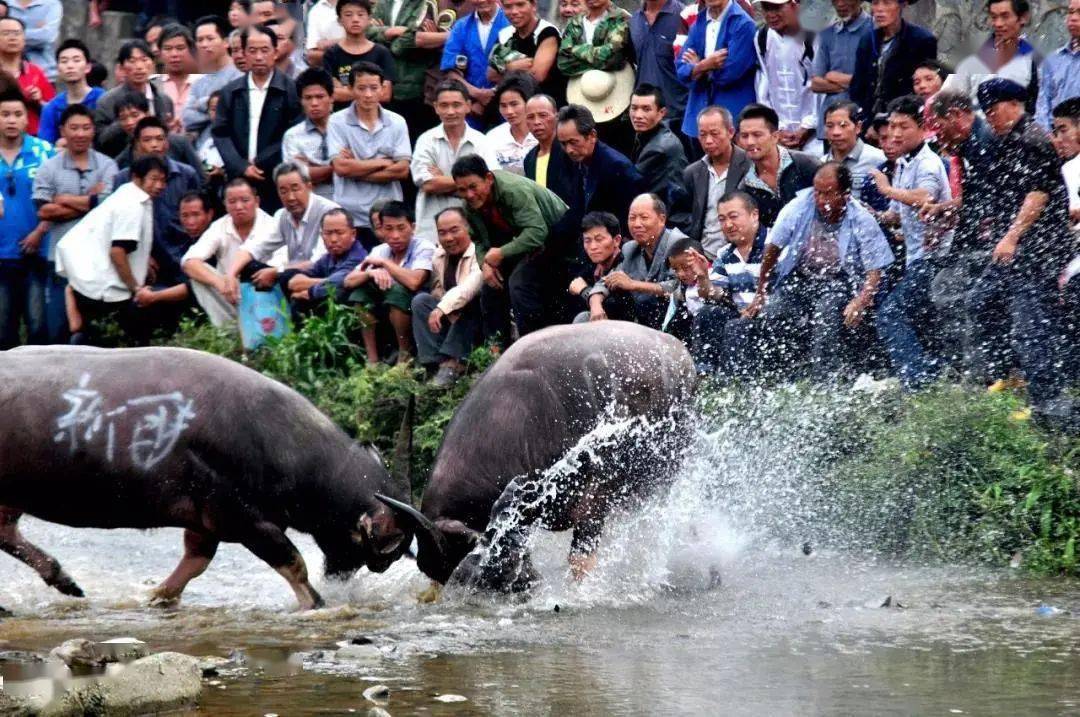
(788, 203)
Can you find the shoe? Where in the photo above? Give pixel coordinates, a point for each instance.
(79, 338)
(446, 377)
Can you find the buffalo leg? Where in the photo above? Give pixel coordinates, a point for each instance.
(199, 550)
(588, 526)
(269, 543)
(13, 543)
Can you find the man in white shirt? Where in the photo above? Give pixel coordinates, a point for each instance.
(438, 149)
(323, 30)
(1066, 138)
(786, 56)
(244, 223)
(105, 257)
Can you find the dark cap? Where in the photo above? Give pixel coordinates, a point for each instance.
(998, 89)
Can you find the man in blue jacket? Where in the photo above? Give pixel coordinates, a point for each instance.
(900, 46)
(718, 62)
(467, 49)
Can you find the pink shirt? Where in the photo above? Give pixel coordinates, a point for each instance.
(178, 94)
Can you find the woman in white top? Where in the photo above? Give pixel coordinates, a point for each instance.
(511, 140)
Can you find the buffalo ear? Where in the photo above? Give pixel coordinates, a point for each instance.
(458, 533)
(427, 533)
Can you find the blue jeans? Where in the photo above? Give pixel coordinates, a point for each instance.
(1007, 308)
(905, 310)
(22, 300)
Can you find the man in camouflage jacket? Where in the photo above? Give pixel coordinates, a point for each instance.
(610, 47)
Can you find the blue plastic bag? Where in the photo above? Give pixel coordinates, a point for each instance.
(262, 314)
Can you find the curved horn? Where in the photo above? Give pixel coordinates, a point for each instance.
(425, 530)
(401, 471)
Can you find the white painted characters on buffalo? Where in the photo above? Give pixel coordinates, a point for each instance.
(158, 421)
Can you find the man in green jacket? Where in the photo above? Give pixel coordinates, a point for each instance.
(407, 29)
(512, 219)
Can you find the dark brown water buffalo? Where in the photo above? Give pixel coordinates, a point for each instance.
(607, 399)
(156, 437)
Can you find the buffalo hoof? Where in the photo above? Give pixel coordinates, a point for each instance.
(68, 587)
(431, 594)
(582, 565)
(163, 599)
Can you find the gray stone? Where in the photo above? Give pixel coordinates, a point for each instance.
(377, 712)
(377, 693)
(78, 653)
(123, 649)
(161, 682)
(14, 707)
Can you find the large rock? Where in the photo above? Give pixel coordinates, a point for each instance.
(166, 681)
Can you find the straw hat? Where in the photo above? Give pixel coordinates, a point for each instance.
(605, 94)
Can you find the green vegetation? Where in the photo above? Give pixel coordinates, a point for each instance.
(953, 474)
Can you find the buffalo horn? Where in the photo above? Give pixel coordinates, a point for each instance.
(425, 530)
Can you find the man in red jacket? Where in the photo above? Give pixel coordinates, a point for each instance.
(34, 84)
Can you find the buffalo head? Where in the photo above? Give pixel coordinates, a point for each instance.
(376, 541)
(451, 552)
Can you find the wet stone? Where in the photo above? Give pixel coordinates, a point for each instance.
(377, 712)
(377, 693)
(78, 653)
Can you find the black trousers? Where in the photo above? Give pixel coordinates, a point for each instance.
(534, 289)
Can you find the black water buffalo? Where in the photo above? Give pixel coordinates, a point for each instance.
(156, 437)
(529, 410)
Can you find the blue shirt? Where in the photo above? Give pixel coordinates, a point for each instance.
(464, 40)
(1059, 80)
(842, 47)
(653, 48)
(42, 20)
(334, 270)
(49, 127)
(863, 246)
(17, 188)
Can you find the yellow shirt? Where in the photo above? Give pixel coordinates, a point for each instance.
(541, 169)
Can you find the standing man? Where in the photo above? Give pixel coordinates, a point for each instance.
(658, 154)
(1059, 74)
(1014, 297)
(369, 151)
(211, 41)
(830, 273)
(843, 48)
(438, 149)
(67, 187)
(842, 130)
(606, 181)
(718, 62)
(287, 60)
(599, 39)
(254, 112)
(920, 179)
(1006, 53)
(416, 44)
(547, 163)
(23, 237)
(465, 54)
(73, 67)
(786, 56)
(323, 30)
(34, 83)
(529, 44)
(776, 174)
(306, 142)
(41, 18)
(901, 46)
(356, 46)
(706, 181)
(137, 61)
(1066, 139)
(653, 29)
(177, 56)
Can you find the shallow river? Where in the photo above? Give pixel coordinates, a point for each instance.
(784, 634)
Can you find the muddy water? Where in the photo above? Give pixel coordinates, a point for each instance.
(783, 634)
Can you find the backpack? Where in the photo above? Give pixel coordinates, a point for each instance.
(762, 40)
